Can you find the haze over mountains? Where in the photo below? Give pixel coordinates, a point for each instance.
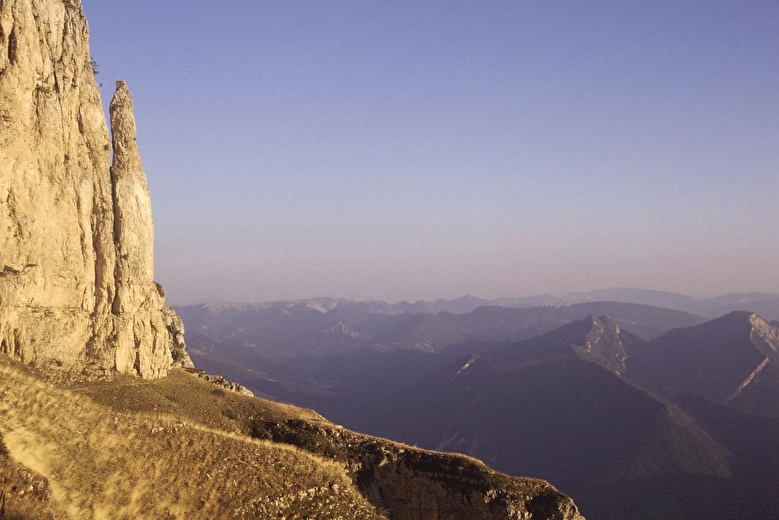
(763, 303)
(637, 411)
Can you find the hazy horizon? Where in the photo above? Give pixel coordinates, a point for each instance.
(417, 151)
(433, 300)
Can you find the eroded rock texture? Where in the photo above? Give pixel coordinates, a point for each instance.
(76, 235)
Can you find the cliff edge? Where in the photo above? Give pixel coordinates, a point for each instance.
(76, 235)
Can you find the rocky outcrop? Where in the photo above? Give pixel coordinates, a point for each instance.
(415, 484)
(76, 234)
(221, 382)
(178, 348)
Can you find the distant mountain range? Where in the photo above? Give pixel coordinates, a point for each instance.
(325, 324)
(764, 304)
(636, 411)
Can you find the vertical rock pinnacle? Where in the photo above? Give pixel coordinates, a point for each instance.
(133, 226)
(123, 128)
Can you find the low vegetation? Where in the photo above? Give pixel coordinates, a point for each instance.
(120, 464)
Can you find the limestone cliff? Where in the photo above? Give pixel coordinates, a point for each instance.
(76, 235)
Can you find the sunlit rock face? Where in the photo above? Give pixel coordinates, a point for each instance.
(76, 234)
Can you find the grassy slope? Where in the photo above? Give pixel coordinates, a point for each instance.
(119, 464)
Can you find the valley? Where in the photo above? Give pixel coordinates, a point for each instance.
(637, 398)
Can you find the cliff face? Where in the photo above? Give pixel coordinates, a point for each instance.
(76, 235)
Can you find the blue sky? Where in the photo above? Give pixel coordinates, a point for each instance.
(417, 150)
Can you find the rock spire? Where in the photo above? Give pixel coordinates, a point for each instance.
(76, 234)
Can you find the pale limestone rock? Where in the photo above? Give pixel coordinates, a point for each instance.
(178, 348)
(76, 235)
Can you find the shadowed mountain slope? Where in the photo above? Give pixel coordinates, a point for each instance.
(554, 406)
(732, 360)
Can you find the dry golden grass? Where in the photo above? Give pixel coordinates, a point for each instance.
(184, 395)
(111, 463)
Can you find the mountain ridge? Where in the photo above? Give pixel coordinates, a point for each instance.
(709, 307)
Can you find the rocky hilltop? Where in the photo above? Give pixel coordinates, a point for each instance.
(76, 235)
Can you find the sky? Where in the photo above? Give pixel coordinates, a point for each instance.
(406, 150)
